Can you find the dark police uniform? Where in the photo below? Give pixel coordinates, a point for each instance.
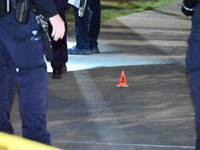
(60, 55)
(87, 28)
(22, 62)
(193, 65)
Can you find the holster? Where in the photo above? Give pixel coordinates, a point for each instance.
(22, 11)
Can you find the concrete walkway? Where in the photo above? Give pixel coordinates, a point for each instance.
(87, 111)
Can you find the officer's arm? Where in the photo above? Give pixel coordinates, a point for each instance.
(48, 9)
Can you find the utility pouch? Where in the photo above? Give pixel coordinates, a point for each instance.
(188, 7)
(5, 7)
(22, 11)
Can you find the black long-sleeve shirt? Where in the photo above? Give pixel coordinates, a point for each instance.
(47, 7)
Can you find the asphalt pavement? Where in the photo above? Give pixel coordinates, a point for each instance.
(86, 109)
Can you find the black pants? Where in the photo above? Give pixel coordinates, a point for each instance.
(60, 47)
(87, 28)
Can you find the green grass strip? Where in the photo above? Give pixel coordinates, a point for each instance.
(113, 9)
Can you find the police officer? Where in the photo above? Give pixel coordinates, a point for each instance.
(22, 63)
(60, 55)
(87, 29)
(193, 66)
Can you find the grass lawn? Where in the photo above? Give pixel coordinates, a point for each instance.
(117, 8)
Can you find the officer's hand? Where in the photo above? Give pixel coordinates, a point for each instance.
(58, 26)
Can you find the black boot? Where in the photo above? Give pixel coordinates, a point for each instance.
(58, 73)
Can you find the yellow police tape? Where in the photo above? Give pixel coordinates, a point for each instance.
(11, 142)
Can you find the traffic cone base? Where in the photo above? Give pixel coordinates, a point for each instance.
(119, 85)
(122, 80)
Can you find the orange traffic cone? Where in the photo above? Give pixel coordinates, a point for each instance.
(122, 80)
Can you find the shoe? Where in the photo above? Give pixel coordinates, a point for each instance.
(76, 51)
(95, 50)
(58, 73)
(64, 69)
